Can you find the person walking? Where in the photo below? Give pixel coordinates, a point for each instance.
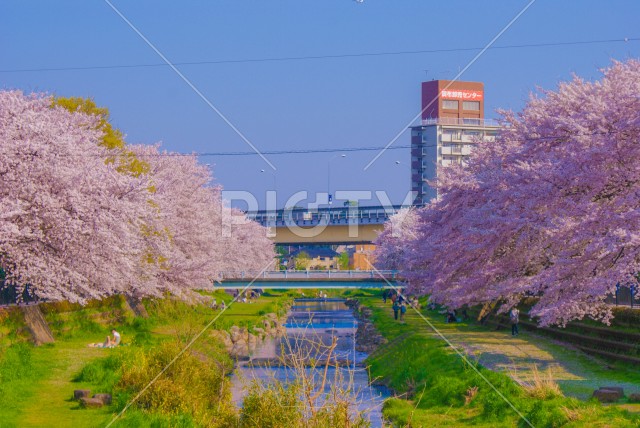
(396, 308)
(514, 316)
(384, 295)
(403, 310)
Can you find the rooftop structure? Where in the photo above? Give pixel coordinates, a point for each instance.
(452, 122)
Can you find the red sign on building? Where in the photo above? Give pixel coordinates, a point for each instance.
(461, 94)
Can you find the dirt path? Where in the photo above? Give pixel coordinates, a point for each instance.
(577, 373)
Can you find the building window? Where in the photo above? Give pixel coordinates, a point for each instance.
(471, 105)
(451, 134)
(450, 104)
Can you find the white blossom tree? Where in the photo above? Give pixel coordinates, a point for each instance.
(74, 225)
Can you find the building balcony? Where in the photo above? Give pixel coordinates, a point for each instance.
(460, 122)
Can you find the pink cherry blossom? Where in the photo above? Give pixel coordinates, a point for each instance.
(74, 228)
(193, 236)
(551, 209)
(69, 223)
(391, 245)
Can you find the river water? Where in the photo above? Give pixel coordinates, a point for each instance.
(310, 322)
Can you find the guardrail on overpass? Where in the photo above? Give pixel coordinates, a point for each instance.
(317, 275)
(328, 215)
(309, 279)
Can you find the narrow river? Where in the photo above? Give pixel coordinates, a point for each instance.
(310, 322)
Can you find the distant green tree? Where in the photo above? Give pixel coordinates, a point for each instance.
(343, 261)
(302, 260)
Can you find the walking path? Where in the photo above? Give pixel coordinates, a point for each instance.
(577, 373)
(50, 398)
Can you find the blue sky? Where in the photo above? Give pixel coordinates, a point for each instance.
(313, 103)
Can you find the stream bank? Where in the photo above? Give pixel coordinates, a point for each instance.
(321, 336)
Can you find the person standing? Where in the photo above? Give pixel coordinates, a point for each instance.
(514, 316)
(384, 295)
(396, 308)
(403, 310)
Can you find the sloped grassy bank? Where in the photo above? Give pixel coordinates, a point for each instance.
(36, 383)
(436, 387)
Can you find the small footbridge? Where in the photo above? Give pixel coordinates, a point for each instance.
(310, 279)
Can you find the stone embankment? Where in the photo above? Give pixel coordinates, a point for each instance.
(241, 342)
(368, 339)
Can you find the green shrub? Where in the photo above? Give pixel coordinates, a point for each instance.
(626, 317)
(548, 413)
(446, 391)
(105, 372)
(143, 338)
(493, 406)
(193, 384)
(272, 407)
(140, 419)
(12, 326)
(15, 362)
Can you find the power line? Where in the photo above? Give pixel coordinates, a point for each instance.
(352, 149)
(299, 151)
(322, 57)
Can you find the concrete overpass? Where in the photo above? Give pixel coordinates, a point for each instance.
(331, 225)
(309, 279)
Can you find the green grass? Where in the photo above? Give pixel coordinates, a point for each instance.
(37, 383)
(435, 383)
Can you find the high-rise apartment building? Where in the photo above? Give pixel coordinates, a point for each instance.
(452, 120)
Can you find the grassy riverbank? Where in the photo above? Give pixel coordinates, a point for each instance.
(439, 388)
(36, 383)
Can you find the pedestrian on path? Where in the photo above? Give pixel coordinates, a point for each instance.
(514, 316)
(396, 308)
(403, 310)
(384, 295)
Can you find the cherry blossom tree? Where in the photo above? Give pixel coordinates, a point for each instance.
(551, 209)
(69, 222)
(193, 236)
(391, 244)
(75, 225)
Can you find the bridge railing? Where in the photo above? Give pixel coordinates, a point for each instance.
(328, 215)
(308, 274)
